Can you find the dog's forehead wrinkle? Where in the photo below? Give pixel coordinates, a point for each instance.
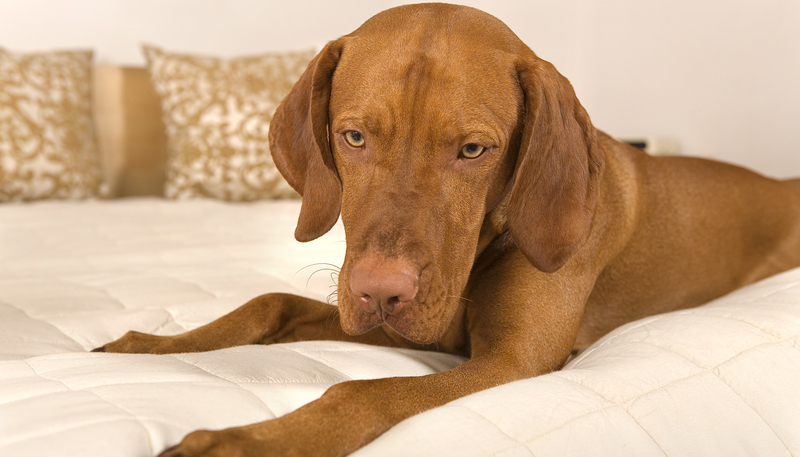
(396, 91)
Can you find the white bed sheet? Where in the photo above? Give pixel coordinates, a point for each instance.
(720, 380)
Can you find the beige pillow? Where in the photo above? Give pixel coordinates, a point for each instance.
(217, 114)
(47, 143)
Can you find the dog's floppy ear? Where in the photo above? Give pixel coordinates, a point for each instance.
(556, 183)
(300, 146)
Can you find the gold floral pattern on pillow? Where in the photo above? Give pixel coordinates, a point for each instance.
(217, 114)
(47, 143)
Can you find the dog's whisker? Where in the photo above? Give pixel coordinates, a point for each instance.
(329, 267)
(334, 269)
(328, 264)
(332, 298)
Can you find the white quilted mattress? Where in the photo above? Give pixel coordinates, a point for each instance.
(720, 380)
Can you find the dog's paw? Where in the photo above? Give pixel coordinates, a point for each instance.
(204, 443)
(136, 343)
(273, 438)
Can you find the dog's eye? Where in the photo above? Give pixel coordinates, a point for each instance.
(472, 151)
(354, 139)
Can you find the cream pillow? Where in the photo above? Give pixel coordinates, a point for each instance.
(217, 114)
(47, 143)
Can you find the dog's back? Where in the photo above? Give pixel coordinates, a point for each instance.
(699, 230)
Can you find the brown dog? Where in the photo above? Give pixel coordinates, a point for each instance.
(484, 216)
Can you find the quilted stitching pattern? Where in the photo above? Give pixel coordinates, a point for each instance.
(718, 380)
(76, 275)
(144, 264)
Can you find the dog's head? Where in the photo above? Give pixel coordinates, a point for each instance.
(416, 127)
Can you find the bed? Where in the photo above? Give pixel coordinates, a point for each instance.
(719, 380)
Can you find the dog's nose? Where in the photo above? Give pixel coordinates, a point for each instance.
(384, 286)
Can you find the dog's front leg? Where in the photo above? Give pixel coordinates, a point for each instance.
(515, 333)
(348, 416)
(270, 318)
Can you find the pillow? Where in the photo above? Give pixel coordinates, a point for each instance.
(47, 143)
(217, 114)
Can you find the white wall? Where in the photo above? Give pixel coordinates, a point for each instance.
(721, 76)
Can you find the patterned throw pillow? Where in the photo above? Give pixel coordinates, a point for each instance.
(217, 114)
(47, 143)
